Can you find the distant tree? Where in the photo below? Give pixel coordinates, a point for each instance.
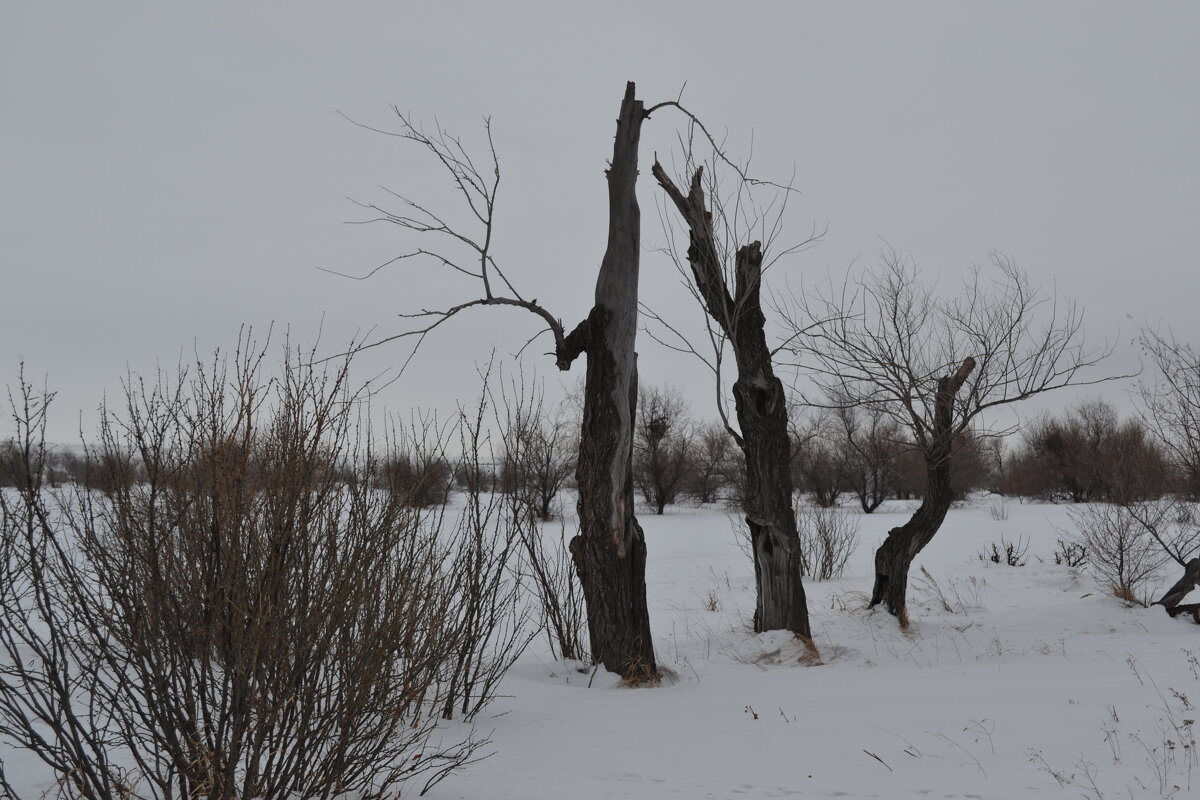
(664, 446)
(1089, 454)
(818, 462)
(416, 470)
(539, 452)
(870, 442)
(714, 463)
(969, 468)
(14, 469)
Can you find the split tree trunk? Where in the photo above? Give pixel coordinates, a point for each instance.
(895, 556)
(761, 411)
(610, 549)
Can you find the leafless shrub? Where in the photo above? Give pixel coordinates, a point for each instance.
(998, 509)
(969, 468)
(1121, 552)
(253, 618)
(556, 583)
(712, 602)
(491, 615)
(1071, 554)
(828, 537)
(537, 459)
(1014, 554)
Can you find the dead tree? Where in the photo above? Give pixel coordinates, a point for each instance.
(761, 405)
(610, 551)
(933, 365)
(1170, 408)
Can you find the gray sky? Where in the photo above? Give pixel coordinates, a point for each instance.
(169, 173)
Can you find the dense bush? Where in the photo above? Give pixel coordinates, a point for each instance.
(1088, 454)
(251, 617)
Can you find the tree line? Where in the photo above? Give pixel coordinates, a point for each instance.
(1086, 453)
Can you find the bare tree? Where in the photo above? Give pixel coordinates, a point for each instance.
(610, 550)
(1170, 407)
(933, 365)
(725, 274)
(1170, 404)
(663, 445)
(818, 463)
(713, 463)
(871, 442)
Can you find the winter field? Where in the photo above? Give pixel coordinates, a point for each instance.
(1010, 682)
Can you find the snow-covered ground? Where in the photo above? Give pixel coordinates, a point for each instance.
(1035, 683)
(1010, 682)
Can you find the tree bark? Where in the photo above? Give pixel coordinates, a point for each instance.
(895, 556)
(761, 412)
(610, 549)
(1174, 596)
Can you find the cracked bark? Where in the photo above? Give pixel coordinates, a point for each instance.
(761, 408)
(894, 557)
(610, 549)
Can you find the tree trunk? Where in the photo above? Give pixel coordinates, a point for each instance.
(761, 411)
(895, 556)
(610, 550)
(1174, 596)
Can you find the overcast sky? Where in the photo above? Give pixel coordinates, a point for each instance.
(169, 173)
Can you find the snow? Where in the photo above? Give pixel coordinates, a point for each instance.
(1035, 671)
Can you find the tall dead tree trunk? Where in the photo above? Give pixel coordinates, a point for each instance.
(761, 411)
(895, 556)
(610, 549)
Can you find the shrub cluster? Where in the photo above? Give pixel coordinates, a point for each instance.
(243, 611)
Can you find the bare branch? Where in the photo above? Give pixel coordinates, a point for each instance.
(884, 338)
(477, 188)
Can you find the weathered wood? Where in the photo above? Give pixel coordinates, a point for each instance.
(894, 557)
(610, 549)
(761, 407)
(1174, 596)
